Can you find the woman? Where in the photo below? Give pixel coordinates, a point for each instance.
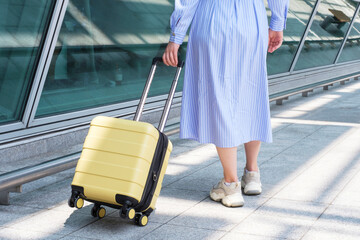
(225, 94)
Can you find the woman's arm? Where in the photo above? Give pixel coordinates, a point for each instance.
(179, 22)
(279, 9)
(181, 18)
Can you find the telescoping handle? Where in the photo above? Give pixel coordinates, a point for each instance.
(169, 100)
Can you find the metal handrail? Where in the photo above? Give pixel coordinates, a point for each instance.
(12, 181)
(279, 97)
(31, 173)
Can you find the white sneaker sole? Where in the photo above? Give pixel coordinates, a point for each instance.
(228, 201)
(216, 197)
(235, 200)
(254, 191)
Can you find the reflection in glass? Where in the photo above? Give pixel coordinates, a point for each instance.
(22, 26)
(326, 34)
(298, 16)
(351, 50)
(104, 54)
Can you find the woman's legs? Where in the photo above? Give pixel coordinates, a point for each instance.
(228, 190)
(228, 158)
(252, 151)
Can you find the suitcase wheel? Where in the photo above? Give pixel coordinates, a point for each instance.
(73, 198)
(71, 202)
(127, 212)
(130, 213)
(101, 212)
(97, 211)
(79, 203)
(94, 211)
(141, 219)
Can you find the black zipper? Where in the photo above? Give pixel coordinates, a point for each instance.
(154, 173)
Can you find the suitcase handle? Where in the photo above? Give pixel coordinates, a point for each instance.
(168, 103)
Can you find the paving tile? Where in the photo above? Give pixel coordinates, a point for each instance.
(71, 237)
(181, 197)
(175, 172)
(277, 126)
(114, 228)
(213, 215)
(18, 234)
(54, 222)
(271, 150)
(337, 222)
(208, 150)
(171, 203)
(78, 238)
(342, 215)
(333, 232)
(209, 218)
(180, 232)
(331, 130)
(350, 195)
(297, 131)
(316, 103)
(12, 214)
(292, 209)
(191, 158)
(244, 236)
(348, 198)
(46, 197)
(289, 114)
(183, 142)
(274, 226)
(165, 212)
(270, 190)
(85, 210)
(342, 115)
(202, 180)
(276, 172)
(328, 175)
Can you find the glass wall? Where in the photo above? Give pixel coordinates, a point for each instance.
(104, 54)
(351, 50)
(105, 48)
(326, 33)
(297, 18)
(22, 27)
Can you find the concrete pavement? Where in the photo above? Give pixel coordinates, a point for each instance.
(310, 176)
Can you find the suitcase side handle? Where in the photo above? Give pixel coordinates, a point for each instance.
(171, 94)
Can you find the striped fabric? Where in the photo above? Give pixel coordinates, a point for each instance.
(225, 97)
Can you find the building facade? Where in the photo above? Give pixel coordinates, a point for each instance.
(62, 62)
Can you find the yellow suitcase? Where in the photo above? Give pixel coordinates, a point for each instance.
(123, 162)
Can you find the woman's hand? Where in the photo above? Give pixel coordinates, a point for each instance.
(275, 40)
(170, 56)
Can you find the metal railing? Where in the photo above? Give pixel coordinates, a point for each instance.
(280, 97)
(13, 181)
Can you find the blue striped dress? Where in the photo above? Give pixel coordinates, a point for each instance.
(225, 97)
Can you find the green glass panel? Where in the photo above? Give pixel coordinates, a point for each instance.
(351, 50)
(104, 54)
(326, 33)
(298, 16)
(22, 27)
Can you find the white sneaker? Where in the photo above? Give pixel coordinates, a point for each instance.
(251, 183)
(229, 196)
